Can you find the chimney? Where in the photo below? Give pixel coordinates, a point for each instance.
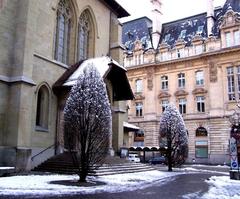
(210, 17)
(156, 22)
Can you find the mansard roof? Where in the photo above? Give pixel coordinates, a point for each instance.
(137, 29)
(183, 29)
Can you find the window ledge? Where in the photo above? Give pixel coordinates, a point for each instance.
(51, 60)
(41, 129)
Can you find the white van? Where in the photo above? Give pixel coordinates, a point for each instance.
(133, 158)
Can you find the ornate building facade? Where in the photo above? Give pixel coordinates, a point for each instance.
(39, 41)
(193, 63)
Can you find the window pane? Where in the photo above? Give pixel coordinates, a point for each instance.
(164, 104)
(139, 107)
(83, 36)
(182, 106)
(181, 80)
(42, 111)
(199, 78)
(236, 37)
(201, 152)
(62, 31)
(200, 104)
(139, 86)
(230, 79)
(228, 39)
(164, 80)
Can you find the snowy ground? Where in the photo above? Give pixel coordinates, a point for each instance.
(220, 187)
(41, 184)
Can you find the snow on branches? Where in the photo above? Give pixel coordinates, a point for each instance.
(173, 131)
(87, 116)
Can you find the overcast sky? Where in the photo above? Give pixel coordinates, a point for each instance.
(172, 9)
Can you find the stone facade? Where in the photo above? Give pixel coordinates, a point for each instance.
(27, 64)
(207, 63)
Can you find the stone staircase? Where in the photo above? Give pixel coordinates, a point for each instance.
(62, 164)
(122, 168)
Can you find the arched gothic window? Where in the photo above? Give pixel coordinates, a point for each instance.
(85, 36)
(42, 107)
(64, 15)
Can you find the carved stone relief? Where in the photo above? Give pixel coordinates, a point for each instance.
(150, 73)
(163, 94)
(213, 72)
(180, 93)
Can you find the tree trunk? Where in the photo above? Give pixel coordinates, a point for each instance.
(169, 155)
(83, 176)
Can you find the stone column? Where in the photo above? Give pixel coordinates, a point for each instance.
(156, 22)
(210, 16)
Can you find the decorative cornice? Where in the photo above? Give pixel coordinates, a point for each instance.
(139, 96)
(180, 93)
(164, 94)
(164, 46)
(138, 45)
(230, 19)
(190, 58)
(180, 42)
(199, 91)
(197, 39)
(21, 79)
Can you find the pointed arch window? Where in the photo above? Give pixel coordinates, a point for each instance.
(42, 108)
(84, 31)
(64, 14)
(86, 35)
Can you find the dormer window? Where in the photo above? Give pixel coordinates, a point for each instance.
(236, 35)
(182, 34)
(200, 30)
(167, 37)
(228, 39)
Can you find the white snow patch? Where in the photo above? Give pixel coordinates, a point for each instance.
(222, 187)
(41, 184)
(202, 170)
(4, 168)
(191, 195)
(101, 63)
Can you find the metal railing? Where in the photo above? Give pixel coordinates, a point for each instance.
(41, 152)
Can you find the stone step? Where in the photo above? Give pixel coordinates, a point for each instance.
(122, 171)
(62, 163)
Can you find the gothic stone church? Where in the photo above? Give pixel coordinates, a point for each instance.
(42, 44)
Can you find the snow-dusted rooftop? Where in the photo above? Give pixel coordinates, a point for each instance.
(108, 68)
(103, 65)
(130, 126)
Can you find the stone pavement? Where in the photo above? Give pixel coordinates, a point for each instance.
(186, 186)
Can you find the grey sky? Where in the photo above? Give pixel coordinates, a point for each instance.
(172, 9)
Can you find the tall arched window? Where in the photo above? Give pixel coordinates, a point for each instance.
(42, 107)
(63, 31)
(85, 36)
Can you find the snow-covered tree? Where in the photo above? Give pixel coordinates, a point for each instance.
(174, 134)
(88, 121)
